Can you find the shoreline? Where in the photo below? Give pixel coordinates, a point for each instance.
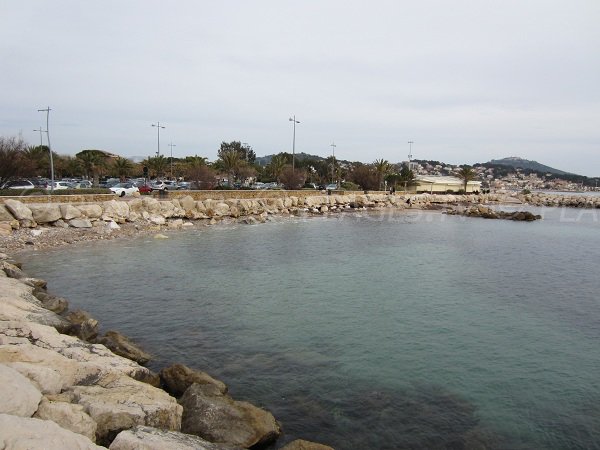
(25, 239)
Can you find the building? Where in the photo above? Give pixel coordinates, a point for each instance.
(442, 184)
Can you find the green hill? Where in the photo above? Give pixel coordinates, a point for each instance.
(520, 163)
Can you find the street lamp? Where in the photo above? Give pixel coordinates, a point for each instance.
(246, 147)
(293, 119)
(172, 145)
(410, 143)
(47, 111)
(333, 146)
(158, 127)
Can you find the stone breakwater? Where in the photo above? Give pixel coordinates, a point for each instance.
(64, 387)
(558, 200)
(15, 214)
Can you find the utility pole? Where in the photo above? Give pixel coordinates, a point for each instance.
(172, 145)
(47, 111)
(158, 127)
(410, 143)
(294, 142)
(333, 146)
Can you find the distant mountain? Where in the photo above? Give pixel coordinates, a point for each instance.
(520, 163)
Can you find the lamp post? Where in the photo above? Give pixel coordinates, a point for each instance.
(47, 111)
(246, 147)
(333, 146)
(172, 145)
(293, 119)
(158, 127)
(410, 143)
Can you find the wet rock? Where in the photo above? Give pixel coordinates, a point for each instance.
(19, 396)
(36, 434)
(69, 416)
(148, 438)
(55, 304)
(300, 444)
(178, 378)
(216, 417)
(12, 270)
(123, 346)
(83, 325)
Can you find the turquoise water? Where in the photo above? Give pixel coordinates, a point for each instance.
(383, 331)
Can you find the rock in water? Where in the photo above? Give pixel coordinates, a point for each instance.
(84, 326)
(216, 417)
(123, 346)
(178, 378)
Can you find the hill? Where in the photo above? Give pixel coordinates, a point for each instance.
(520, 163)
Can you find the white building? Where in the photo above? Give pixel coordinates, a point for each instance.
(442, 184)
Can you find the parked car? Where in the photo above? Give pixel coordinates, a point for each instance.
(184, 186)
(18, 184)
(85, 184)
(170, 185)
(144, 188)
(123, 189)
(331, 187)
(59, 185)
(158, 185)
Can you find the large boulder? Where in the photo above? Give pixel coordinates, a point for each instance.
(216, 417)
(45, 213)
(123, 346)
(69, 416)
(80, 223)
(18, 210)
(91, 211)
(36, 434)
(17, 302)
(52, 302)
(148, 438)
(115, 210)
(117, 402)
(69, 212)
(18, 395)
(5, 216)
(178, 378)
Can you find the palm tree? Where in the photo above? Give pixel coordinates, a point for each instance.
(122, 166)
(406, 175)
(92, 162)
(276, 166)
(157, 164)
(230, 161)
(382, 168)
(466, 174)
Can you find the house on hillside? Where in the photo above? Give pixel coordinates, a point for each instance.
(441, 184)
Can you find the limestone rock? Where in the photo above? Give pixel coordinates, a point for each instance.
(91, 211)
(45, 213)
(69, 212)
(17, 302)
(157, 220)
(300, 444)
(5, 229)
(36, 434)
(19, 396)
(84, 326)
(117, 402)
(123, 346)
(80, 223)
(115, 210)
(69, 416)
(148, 438)
(74, 362)
(216, 417)
(5, 216)
(45, 379)
(18, 210)
(12, 270)
(179, 377)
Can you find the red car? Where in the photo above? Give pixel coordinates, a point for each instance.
(144, 189)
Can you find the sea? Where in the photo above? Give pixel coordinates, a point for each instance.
(370, 330)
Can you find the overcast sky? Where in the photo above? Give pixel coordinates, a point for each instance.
(466, 80)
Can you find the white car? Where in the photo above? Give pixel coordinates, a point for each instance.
(58, 185)
(123, 189)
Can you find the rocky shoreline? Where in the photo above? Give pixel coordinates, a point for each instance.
(64, 386)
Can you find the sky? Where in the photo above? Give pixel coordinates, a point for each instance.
(465, 80)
